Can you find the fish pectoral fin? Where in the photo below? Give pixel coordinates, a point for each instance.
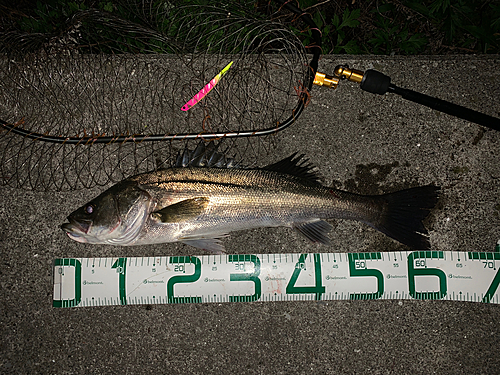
(315, 231)
(214, 245)
(182, 211)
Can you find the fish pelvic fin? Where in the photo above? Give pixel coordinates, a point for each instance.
(315, 231)
(403, 215)
(182, 211)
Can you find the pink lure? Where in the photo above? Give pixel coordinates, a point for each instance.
(205, 90)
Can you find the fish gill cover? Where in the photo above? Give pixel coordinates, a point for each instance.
(100, 97)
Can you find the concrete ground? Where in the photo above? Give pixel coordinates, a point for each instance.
(360, 142)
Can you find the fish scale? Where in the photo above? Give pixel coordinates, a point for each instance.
(254, 187)
(197, 203)
(244, 199)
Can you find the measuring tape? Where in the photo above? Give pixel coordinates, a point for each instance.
(421, 275)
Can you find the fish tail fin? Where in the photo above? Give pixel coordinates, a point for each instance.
(403, 214)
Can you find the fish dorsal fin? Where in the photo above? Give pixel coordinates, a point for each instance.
(206, 156)
(181, 211)
(296, 166)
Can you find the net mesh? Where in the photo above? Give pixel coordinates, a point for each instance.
(123, 81)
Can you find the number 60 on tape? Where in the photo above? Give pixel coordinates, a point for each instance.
(421, 275)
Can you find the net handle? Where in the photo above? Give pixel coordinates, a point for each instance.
(137, 138)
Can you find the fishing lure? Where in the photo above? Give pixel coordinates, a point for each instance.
(205, 90)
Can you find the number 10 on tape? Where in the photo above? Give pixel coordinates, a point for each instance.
(421, 275)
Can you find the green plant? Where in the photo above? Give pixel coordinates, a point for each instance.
(49, 15)
(391, 37)
(349, 21)
(377, 27)
(467, 24)
(334, 38)
(408, 26)
(306, 35)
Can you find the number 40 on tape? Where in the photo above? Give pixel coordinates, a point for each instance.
(420, 275)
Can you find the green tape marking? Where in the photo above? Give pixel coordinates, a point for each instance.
(419, 275)
(59, 265)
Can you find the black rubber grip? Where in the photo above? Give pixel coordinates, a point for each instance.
(375, 82)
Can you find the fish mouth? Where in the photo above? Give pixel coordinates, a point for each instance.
(76, 229)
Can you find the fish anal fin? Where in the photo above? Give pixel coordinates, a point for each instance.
(213, 245)
(182, 211)
(316, 231)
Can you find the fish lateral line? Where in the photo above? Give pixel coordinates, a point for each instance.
(286, 193)
(203, 182)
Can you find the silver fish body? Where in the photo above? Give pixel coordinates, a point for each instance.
(200, 205)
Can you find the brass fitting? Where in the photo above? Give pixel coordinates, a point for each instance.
(322, 79)
(343, 72)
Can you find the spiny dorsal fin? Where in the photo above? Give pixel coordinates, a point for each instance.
(206, 156)
(296, 166)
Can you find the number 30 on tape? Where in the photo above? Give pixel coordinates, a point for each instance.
(421, 275)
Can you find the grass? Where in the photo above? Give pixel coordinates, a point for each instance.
(380, 27)
(407, 27)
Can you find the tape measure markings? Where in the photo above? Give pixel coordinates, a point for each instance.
(424, 275)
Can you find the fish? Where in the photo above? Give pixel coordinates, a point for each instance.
(205, 195)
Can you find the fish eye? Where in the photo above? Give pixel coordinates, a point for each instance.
(89, 209)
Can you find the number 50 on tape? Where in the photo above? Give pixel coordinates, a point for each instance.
(421, 275)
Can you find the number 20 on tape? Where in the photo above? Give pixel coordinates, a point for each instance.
(434, 275)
